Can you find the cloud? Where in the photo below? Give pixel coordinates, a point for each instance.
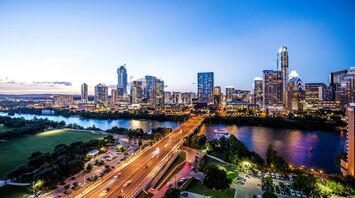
(53, 83)
(13, 87)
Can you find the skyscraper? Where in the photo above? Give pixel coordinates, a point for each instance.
(205, 84)
(217, 96)
(136, 92)
(122, 80)
(343, 86)
(282, 62)
(230, 91)
(154, 90)
(348, 167)
(295, 93)
(114, 95)
(258, 91)
(101, 93)
(315, 92)
(273, 95)
(84, 93)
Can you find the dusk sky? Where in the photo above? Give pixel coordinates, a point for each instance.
(85, 41)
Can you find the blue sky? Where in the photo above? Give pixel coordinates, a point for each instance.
(85, 41)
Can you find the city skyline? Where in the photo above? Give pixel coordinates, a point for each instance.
(237, 36)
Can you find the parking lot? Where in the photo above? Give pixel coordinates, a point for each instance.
(249, 185)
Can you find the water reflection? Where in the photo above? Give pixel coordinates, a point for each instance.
(293, 145)
(146, 125)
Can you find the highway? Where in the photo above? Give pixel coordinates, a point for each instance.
(138, 171)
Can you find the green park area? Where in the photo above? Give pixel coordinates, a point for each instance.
(16, 151)
(197, 186)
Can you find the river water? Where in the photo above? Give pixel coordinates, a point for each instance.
(293, 145)
(146, 125)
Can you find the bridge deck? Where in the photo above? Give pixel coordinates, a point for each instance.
(137, 173)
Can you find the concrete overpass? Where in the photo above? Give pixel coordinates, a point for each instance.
(139, 171)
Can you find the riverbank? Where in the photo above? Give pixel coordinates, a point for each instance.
(279, 122)
(103, 115)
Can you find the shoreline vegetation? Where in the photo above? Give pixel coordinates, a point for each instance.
(303, 122)
(103, 115)
(280, 122)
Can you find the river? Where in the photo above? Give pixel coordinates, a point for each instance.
(291, 144)
(146, 125)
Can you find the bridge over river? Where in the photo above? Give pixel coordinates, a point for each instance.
(138, 172)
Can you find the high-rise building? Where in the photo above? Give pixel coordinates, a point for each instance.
(205, 84)
(272, 92)
(168, 97)
(282, 63)
(295, 93)
(177, 98)
(154, 90)
(187, 97)
(160, 93)
(258, 91)
(217, 96)
(242, 95)
(84, 93)
(315, 92)
(137, 92)
(348, 167)
(101, 93)
(114, 95)
(343, 86)
(122, 80)
(230, 91)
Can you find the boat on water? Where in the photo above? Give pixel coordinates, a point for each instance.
(221, 131)
(310, 149)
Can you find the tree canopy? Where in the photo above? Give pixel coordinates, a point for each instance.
(216, 178)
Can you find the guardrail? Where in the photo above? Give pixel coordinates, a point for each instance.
(153, 174)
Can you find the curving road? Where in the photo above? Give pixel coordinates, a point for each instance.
(138, 171)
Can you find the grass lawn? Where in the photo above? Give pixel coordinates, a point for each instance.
(197, 187)
(4, 129)
(231, 172)
(15, 192)
(16, 151)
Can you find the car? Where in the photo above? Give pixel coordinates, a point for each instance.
(293, 194)
(298, 195)
(117, 175)
(169, 184)
(127, 183)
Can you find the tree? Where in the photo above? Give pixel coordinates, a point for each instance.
(216, 178)
(172, 193)
(306, 183)
(269, 195)
(275, 161)
(89, 168)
